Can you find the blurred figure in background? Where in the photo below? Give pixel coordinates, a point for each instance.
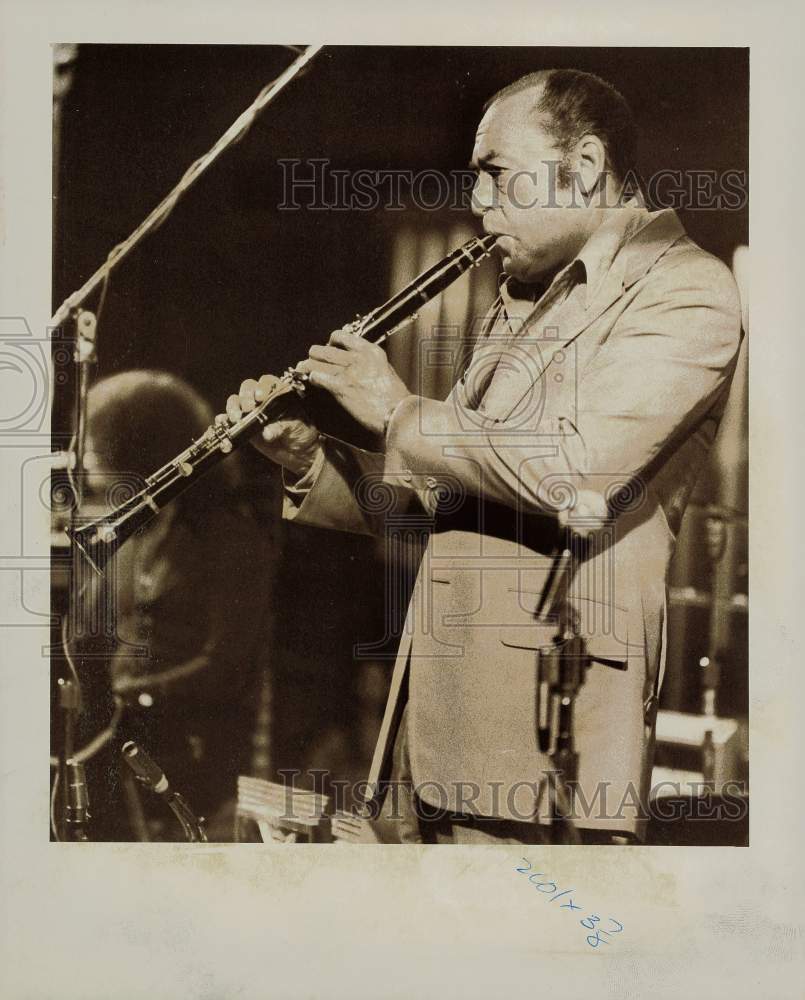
(189, 614)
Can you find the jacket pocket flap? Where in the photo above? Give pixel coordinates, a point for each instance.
(604, 628)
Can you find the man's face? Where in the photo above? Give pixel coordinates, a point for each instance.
(517, 194)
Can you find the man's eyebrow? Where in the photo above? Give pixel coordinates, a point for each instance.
(485, 161)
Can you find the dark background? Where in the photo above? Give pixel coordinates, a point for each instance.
(231, 287)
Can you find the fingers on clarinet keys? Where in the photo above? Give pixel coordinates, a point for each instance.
(250, 395)
(351, 328)
(291, 440)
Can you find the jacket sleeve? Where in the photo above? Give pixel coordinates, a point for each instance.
(664, 364)
(349, 492)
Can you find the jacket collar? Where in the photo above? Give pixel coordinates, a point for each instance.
(644, 247)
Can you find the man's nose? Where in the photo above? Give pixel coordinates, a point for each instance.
(482, 198)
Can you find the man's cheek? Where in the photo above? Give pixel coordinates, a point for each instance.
(522, 192)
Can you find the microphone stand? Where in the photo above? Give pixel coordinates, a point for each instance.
(77, 798)
(84, 357)
(562, 667)
(148, 773)
(573, 661)
(560, 674)
(191, 824)
(69, 696)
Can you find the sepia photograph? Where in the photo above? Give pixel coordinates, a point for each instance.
(402, 479)
(379, 442)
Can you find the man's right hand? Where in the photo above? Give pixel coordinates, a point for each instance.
(293, 441)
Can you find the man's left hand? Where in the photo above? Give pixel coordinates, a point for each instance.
(359, 376)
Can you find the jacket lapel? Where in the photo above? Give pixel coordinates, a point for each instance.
(540, 344)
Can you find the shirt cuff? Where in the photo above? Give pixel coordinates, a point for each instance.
(300, 487)
(390, 416)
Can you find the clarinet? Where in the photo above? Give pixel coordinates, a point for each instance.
(98, 540)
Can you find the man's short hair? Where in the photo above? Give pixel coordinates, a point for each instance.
(570, 104)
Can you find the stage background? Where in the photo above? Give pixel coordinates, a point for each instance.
(231, 286)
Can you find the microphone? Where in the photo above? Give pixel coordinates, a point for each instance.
(547, 679)
(77, 800)
(146, 769)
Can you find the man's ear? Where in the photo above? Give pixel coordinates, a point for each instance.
(591, 159)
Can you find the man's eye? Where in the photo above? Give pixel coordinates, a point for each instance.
(496, 174)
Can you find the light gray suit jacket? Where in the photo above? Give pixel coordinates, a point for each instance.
(618, 389)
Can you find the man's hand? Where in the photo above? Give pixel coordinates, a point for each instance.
(359, 377)
(292, 442)
(587, 515)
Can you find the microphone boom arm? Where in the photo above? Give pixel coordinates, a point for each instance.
(158, 215)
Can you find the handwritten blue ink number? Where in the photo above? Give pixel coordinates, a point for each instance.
(593, 940)
(550, 888)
